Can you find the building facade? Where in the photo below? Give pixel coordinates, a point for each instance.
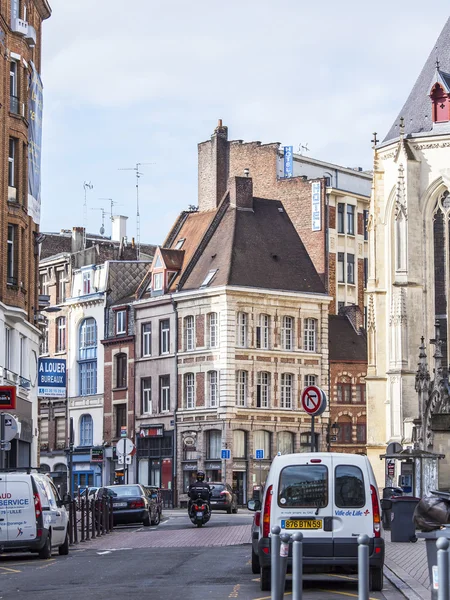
(20, 65)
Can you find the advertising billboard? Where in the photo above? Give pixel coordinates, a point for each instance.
(52, 378)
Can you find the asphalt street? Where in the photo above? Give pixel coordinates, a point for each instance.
(122, 565)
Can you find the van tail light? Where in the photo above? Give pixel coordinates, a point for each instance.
(257, 518)
(137, 504)
(266, 513)
(375, 512)
(37, 506)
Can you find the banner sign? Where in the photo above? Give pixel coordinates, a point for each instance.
(288, 164)
(316, 206)
(7, 397)
(35, 101)
(52, 377)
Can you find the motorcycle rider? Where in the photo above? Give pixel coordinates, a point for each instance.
(199, 490)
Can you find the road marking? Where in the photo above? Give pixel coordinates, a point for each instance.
(344, 594)
(106, 552)
(50, 563)
(235, 592)
(8, 570)
(342, 576)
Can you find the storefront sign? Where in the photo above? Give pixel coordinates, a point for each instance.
(189, 441)
(151, 431)
(96, 454)
(213, 466)
(190, 467)
(237, 466)
(7, 397)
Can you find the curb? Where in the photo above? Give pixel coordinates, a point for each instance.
(407, 585)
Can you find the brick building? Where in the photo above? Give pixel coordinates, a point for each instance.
(21, 117)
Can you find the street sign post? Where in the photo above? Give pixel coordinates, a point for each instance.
(124, 449)
(314, 402)
(225, 454)
(259, 455)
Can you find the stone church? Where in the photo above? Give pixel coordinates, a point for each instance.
(409, 273)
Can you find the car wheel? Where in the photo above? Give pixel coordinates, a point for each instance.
(46, 551)
(255, 563)
(229, 511)
(235, 509)
(375, 579)
(146, 521)
(265, 579)
(157, 519)
(64, 549)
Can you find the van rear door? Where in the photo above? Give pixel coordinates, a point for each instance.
(17, 506)
(353, 504)
(3, 516)
(305, 503)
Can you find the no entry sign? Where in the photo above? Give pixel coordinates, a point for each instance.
(314, 400)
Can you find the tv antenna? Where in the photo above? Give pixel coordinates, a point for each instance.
(139, 174)
(302, 148)
(105, 212)
(102, 228)
(87, 186)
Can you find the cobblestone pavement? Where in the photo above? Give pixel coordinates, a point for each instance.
(407, 568)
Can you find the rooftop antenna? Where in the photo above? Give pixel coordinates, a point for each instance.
(87, 186)
(138, 217)
(105, 212)
(102, 228)
(302, 148)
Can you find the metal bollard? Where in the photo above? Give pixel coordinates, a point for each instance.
(363, 567)
(284, 554)
(297, 566)
(75, 523)
(275, 562)
(82, 521)
(88, 527)
(443, 567)
(92, 508)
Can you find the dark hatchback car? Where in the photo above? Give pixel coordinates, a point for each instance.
(223, 497)
(131, 504)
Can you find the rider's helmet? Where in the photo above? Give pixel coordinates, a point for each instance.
(200, 476)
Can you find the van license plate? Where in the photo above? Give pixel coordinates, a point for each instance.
(302, 524)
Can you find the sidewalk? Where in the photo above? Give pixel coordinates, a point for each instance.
(406, 567)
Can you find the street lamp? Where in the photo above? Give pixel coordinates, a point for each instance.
(333, 432)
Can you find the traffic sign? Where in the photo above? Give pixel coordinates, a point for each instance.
(124, 447)
(11, 428)
(5, 446)
(259, 454)
(314, 400)
(120, 459)
(225, 454)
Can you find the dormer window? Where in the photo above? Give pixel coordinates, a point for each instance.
(86, 283)
(440, 100)
(158, 279)
(179, 244)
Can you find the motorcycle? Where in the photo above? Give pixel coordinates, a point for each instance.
(199, 511)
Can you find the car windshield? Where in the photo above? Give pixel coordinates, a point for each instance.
(303, 486)
(126, 490)
(216, 488)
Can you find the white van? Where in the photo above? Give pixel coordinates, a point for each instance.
(332, 498)
(32, 515)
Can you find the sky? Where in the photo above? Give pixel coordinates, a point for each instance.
(145, 82)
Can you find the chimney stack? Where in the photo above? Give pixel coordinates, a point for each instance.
(241, 192)
(119, 228)
(77, 239)
(213, 168)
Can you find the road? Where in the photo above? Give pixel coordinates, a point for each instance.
(174, 560)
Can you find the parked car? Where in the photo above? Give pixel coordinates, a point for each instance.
(90, 493)
(33, 517)
(223, 497)
(131, 504)
(255, 535)
(331, 498)
(154, 493)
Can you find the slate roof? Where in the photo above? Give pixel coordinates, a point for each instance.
(258, 248)
(417, 109)
(173, 259)
(344, 343)
(123, 279)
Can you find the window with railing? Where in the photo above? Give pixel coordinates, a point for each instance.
(87, 357)
(263, 390)
(14, 105)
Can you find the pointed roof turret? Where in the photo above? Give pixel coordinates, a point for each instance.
(417, 110)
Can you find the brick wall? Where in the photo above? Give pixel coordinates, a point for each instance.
(200, 389)
(332, 217)
(200, 331)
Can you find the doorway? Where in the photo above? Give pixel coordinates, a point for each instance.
(239, 486)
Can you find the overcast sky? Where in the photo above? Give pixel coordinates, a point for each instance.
(146, 81)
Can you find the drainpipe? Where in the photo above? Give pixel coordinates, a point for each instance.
(175, 445)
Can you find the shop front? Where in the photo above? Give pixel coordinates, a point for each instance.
(213, 470)
(155, 460)
(239, 484)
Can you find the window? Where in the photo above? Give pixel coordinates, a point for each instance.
(61, 287)
(263, 332)
(87, 357)
(286, 390)
(11, 255)
(341, 268)
(344, 393)
(121, 370)
(303, 486)
(350, 219)
(350, 268)
(61, 334)
(146, 396)
(287, 333)
(7, 347)
(285, 442)
(310, 380)
(86, 430)
(214, 444)
(263, 390)
(43, 348)
(164, 336)
(239, 444)
(213, 388)
(213, 330)
(14, 100)
(340, 223)
(22, 354)
(43, 432)
(345, 431)
(121, 322)
(310, 335)
(366, 220)
(360, 393)
(158, 282)
(60, 431)
(179, 244)
(86, 282)
(120, 418)
(261, 441)
(349, 487)
(209, 277)
(241, 388)
(164, 393)
(146, 333)
(12, 170)
(366, 271)
(189, 390)
(241, 336)
(340, 305)
(189, 334)
(361, 434)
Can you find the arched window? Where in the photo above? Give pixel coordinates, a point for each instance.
(86, 430)
(189, 390)
(45, 468)
(87, 357)
(285, 442)
(345, 434)
(361, 430)
(261, 441)
(239, 443)
(120, 360)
